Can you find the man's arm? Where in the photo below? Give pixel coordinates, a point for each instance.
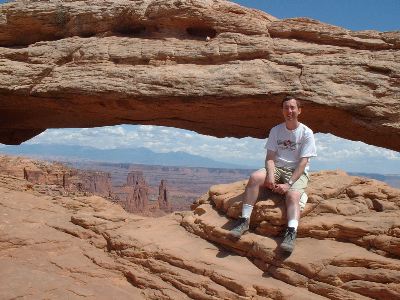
(270, 166)
(300, 169)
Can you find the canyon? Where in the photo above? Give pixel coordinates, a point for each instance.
(141, 189)
(132, 195)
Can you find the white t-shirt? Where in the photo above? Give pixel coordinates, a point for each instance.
(291, 145)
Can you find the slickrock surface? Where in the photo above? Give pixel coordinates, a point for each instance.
(69, 248)
(348, 244)
(61, 246)
(172, 62)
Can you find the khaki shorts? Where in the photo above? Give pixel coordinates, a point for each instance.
(282, 175)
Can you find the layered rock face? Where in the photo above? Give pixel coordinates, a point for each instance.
(133, 196)
(136, 196)
(36, 172)
(98, 183)
(163, 202)
(171, 62)
(137, 193)
(46, 173)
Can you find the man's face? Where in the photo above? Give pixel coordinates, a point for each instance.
(290, 110)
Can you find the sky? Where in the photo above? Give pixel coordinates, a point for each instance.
(382, 15)
(333, 152)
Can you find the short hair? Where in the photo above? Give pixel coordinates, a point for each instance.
(287, 98)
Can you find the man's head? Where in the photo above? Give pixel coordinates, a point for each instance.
(291, 108)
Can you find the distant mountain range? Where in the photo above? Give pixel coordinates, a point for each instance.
(135, 155)
(392, 180)
(143, 156)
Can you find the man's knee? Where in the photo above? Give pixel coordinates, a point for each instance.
(293, 197)
(257, 178)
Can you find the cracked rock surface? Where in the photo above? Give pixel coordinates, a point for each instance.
(173, 62)
(86, 247)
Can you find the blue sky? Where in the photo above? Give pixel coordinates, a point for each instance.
(382, 15)
(333, 152)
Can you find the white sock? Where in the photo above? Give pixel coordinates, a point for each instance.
(294, 224)
(246, 211)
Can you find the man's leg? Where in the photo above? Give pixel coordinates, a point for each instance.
(293, 208)
(293, 212)
(256, 180)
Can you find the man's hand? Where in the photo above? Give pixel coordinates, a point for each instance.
(282, 188)
(270, 182)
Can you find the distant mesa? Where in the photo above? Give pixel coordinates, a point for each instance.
(133, 196)
(209, 66)
(71, 180)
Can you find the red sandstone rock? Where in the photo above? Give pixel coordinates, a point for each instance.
(137, 193)
(348, 239)
(34, 176)
(163, 202)
(46, 173)
(98, 183)
(134, 196)
(59, 247)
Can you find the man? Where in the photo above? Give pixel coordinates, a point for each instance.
(289, 148)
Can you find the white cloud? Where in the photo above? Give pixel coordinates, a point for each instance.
(332, 151)
(145, 127)
(331, 147)
(116, 130)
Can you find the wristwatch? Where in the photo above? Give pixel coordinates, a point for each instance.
(290, 182)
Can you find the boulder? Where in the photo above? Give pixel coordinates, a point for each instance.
(348, 238)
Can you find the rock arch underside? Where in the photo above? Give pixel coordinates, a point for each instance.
(209, 66)
(220, 69)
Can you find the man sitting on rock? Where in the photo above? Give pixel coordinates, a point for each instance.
(289, 148)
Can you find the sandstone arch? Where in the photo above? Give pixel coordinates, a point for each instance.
(209, 66)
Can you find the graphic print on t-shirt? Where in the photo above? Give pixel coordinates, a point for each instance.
(287, 145)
